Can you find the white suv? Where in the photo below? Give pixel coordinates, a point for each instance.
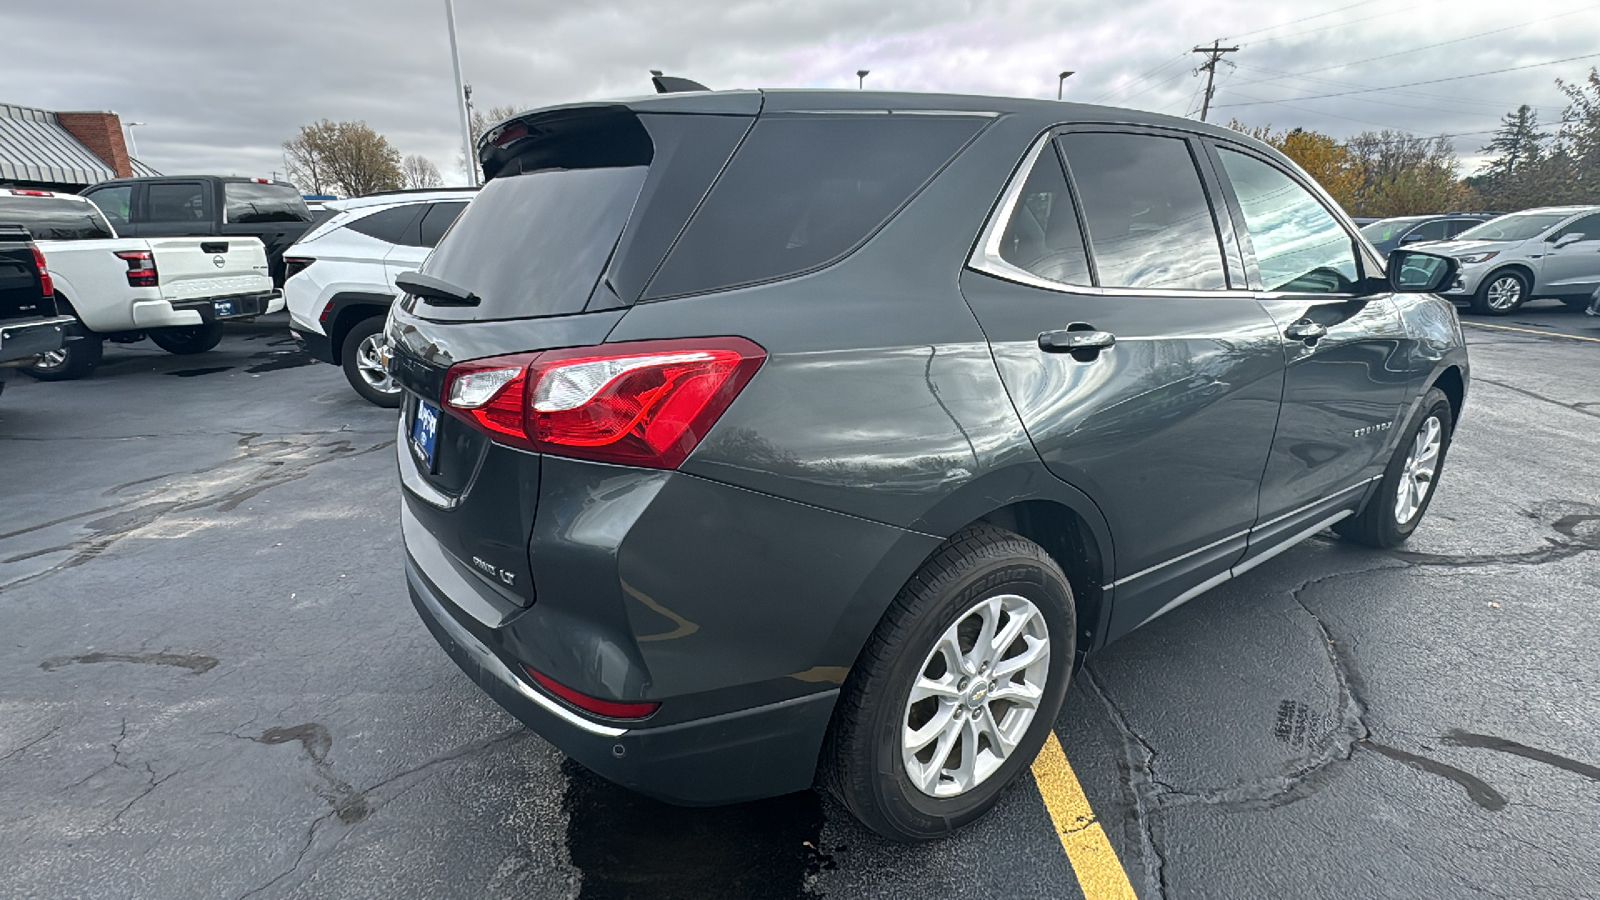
(340, 278)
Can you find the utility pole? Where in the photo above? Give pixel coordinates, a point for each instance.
(1213, 53)
(462, 98)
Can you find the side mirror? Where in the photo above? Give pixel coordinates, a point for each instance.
(1412, 238)
(1571, 237)
(1416, 272)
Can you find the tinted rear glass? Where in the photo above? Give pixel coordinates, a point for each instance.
(250, 202)
(1387, 229)
(387, 224)
(534, 244)
(54, 218)
(437, 220)
(802, 191)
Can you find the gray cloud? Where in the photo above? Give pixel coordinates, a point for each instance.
(221, 86)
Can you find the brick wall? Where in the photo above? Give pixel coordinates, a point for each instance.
(101, 132)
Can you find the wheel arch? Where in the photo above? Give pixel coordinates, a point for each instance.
(345, 310)
(1069, 538)
(1453, 383)
(1520, 268)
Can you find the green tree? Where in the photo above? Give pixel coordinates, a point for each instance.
(1322, 156)
(1404, 174)
(1579, 139)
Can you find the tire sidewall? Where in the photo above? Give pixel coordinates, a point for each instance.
(1434, 403)
(1481, 301)
(184, 340)
(349, 356)
(83, 354)
(912, 811)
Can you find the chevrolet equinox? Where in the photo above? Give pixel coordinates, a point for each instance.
(758, 439)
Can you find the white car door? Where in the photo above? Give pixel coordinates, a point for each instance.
(1572, 266)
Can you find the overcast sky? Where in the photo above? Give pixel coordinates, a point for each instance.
(222, 85)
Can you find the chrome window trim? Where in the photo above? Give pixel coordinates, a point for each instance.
(986, 257)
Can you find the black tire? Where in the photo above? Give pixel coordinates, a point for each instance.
(1488, 298)
(1378, 524)
(862, 762)
(77, 358)
(350, 359)
(186, 339)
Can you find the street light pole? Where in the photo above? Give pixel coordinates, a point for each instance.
(461, 97)
(1060, 81)
(133, 145)
(861, 78)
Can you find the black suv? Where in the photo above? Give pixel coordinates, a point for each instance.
(207, 206)
(749, 434)
(29, 325)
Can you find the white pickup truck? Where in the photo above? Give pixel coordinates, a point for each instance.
(177, 291)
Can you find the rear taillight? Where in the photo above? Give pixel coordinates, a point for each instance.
(645, 403)
(141, 268)
(47, 285)
(31, 193)
(294, 265)
(595, 705)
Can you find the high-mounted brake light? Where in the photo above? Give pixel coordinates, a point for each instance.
(595, 705)
(294, 265)
(141, 268)
(47, 285)
(31, 193)
(644, 403)
(262, 180)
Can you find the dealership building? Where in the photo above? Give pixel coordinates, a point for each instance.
(62, 151)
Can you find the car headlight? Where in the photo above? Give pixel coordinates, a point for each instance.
(1478, 257)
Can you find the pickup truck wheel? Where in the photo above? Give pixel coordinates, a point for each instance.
(76, 359)
(362, 359)
(187, 339)
(957, 689)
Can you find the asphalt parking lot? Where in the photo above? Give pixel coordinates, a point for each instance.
(212, 683)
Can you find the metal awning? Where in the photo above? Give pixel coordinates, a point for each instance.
(34, 147)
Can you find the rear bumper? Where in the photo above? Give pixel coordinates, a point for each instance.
(318, 345)
(204, 311)
(730, 758)
(27, 338)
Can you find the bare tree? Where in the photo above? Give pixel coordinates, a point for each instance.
(420, 172)
(346, 156)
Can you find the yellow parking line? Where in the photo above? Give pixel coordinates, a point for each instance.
(1099, 872)
(1574, 337)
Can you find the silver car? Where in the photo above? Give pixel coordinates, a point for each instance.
(1549, 252)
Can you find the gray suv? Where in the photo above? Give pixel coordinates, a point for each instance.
(1549, 252)
(757, 438)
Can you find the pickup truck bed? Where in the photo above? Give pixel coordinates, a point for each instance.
(29, 326)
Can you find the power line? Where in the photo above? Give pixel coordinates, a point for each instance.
(1393, 12)
(1140, 78)
(1213, 53)
(1306, 19)
(1417, 83)
(1438, 98)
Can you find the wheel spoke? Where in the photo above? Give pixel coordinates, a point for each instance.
(997, 738)
(1037, 649)
(943, 688)
(915, 740)
(1019, 620)
(941, 756)
(989, 618)
(1021, 694)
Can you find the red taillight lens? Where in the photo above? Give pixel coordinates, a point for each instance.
(294, 265)
(645, 403)
(141, 268)
(47, 285)
(592, 704)
(28, 193)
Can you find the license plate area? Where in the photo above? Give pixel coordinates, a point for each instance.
(425, 433)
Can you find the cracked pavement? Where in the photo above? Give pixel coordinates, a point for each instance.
(212, 683)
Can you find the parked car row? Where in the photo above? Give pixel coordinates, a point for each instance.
(1507, 260)
(177, 291)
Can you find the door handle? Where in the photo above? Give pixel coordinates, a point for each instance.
(1073, 341)
(1306, 330)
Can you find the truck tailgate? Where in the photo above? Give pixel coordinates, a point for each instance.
(202, 268)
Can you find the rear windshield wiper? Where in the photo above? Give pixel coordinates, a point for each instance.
(435, 291)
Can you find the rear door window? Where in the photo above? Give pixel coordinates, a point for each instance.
(181, 201)
(534, 244)
(1456, 226)
(250, 202)
(1042, 236)
(1428, 231)
(54, 218)
(802, 191)
(387, 225)
(1299, 245)
(437, 220)
(1150, 224)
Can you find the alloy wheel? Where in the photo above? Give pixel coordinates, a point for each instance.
(1417, 476)
(54, 359)
(370, 363)
(975, 695)
(1504, 292)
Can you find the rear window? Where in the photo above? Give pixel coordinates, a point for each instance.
(387, 224)
(249, 202)
(55, 218)
(535, 244)
(1516, 227)
(804, 190)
